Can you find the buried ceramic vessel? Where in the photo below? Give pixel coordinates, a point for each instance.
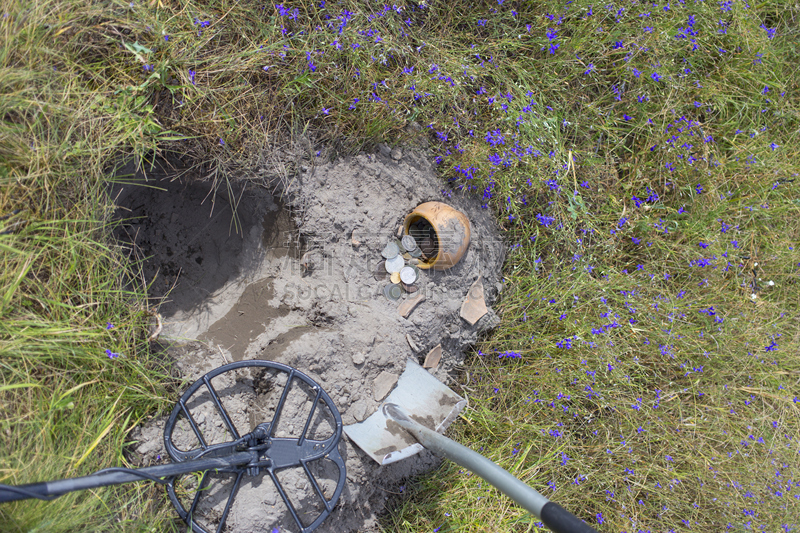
(441, 232)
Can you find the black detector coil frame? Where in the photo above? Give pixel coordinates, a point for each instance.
(246, 455)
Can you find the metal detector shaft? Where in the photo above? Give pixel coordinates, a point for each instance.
(116, 476)
(555, 517)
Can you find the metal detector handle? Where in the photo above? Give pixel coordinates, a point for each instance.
(555, 517)
(115, 476)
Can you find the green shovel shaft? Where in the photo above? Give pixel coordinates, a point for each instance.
(555, 517)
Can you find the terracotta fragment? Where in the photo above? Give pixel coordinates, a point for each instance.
(433, 357)
(406, 307)
(474, 306)
(383, 384)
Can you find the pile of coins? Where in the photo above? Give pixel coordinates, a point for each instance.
(401, 258)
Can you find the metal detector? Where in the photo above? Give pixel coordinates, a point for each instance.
(249, 458)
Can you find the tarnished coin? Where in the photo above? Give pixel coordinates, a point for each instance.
(395, 264)
(409, 243)
(379, 272)
(411, 289)
(408, 275)
(393, 292)
(390, 250)
(416, 252)
(395, 277)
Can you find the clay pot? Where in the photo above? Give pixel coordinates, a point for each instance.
(441, 232)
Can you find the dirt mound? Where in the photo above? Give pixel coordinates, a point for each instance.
(295, 282)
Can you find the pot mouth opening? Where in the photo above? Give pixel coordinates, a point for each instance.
(425, 234)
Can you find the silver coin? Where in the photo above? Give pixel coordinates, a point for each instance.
(409, 243)
(395, 264)
(408, 275)
(393, 292)
(416, 252)
(390, 250)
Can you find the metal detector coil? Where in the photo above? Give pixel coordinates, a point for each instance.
(274, 453)
(248, 457)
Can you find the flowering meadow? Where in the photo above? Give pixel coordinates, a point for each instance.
(642, 159)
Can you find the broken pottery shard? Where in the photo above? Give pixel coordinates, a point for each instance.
(411, 343)
(383, 384)
(433, 357)
(474, 306)
(409, 305)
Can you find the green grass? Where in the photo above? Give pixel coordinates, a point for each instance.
(682, 415)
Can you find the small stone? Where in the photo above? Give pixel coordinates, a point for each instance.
(474, 306)
(383, 384)
(384, 149)
(359, 410)
(433, 357)
(411, 343)
(358, 358)
(397, 154)
(409, 305)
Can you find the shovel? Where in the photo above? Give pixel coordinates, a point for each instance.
(415, 414)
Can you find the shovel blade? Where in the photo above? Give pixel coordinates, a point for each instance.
(426, 400)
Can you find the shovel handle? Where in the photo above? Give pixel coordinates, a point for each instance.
(555, 517)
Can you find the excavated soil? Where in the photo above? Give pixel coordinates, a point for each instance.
(240, 274)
